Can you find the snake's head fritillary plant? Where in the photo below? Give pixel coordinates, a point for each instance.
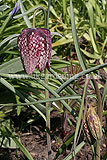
(35, 47)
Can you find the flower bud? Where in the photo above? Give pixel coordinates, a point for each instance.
(94, 123)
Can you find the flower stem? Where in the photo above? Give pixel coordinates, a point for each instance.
(99, 109)
(46, 91)
(47, 117)
(46, 81)
(38, 8)
(47, 96)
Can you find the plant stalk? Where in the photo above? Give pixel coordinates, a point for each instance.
(80, 114)
(46, 91)
(38, 8)
(47, 117)
(99, 110)
(47, 96)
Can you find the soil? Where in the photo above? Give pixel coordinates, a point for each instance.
(34, 140)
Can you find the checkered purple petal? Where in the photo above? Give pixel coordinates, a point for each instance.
(35, 48)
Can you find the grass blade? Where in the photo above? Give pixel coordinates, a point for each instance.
(80, 114)
(75, 37)
(23, 149)
(49, 5)
(55, 94)
(12, 66)
(10, 87)
(25, 16)
(63, 147)
(64, 10)
(76, 76)
(71, 155)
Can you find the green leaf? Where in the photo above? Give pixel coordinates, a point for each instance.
(11, 88)
(90, 55)
(8, 39)
(62, 41)
(8, 143)
(18, 143)
(47, 19)
(64, 146)
(80, 113)
(3, 7)
(93, 40)
(55, 94)
(25, 16)
(76, 76)
(12, 66)
(82, 63)
(78, 148)
(64, 10)
(29, 11)
(4, 24)
(18, 105)
(48, 100)
(90, 13)
(12, 43)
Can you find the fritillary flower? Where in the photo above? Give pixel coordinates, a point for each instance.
(35, 47)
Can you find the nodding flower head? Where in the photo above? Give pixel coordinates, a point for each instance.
(35, 47)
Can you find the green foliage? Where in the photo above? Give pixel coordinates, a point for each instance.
(86, 37)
